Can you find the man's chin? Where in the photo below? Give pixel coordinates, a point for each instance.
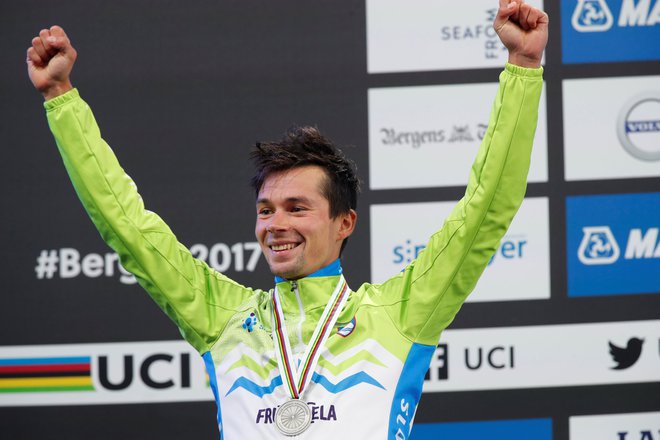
(287, 273)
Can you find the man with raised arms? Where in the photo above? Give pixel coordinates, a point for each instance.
(310, 357)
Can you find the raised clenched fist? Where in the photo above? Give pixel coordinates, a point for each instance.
(524, 31)
(49, 61)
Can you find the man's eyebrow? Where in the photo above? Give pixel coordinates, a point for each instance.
(297, 199)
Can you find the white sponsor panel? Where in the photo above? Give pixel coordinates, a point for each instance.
(102, 373)
(546, 356)
(519, 270)
(428, 136)
(612, 127)
(633, 426)
(404, 36)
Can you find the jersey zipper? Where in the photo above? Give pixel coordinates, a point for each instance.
(300, 346)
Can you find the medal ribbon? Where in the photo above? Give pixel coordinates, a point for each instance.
(297, 377)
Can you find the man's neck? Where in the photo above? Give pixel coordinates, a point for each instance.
(331, 269)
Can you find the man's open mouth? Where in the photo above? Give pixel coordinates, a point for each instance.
(283, 247)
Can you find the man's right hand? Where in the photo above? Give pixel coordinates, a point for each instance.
(49, 61)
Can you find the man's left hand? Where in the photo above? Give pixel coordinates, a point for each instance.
(524, 31)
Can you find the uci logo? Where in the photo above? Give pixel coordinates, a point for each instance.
(598, 246)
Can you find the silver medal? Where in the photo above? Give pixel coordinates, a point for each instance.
(293, 417)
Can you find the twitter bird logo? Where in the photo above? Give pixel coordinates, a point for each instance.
(626, 357)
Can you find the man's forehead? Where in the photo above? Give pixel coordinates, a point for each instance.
(296, 184)
(292, 199)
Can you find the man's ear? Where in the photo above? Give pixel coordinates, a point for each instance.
(347, 224)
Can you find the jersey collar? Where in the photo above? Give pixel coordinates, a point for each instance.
(331, 269)
(314, 290)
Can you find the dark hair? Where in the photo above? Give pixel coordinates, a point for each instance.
(301, 146)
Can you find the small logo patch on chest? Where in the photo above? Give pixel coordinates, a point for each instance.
(250, 322)
(347, 329)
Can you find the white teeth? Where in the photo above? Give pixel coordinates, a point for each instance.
(283, 247)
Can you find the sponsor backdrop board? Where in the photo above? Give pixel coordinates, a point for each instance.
(613, 244)
(612, 128)
(400, 231)
(183, 90)
(539, 356)
(429, 136)
(643, 426)
(440, 35)
(610, 30)
(102, 373)
(537, 429)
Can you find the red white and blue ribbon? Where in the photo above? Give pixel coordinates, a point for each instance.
(296, 375)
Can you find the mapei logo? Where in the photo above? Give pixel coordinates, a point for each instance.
(638, 126)
(613, 244)
(600, 247)
(592, 16)
(610, 30)
(595, 15)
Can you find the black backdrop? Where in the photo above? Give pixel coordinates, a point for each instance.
(181, 91)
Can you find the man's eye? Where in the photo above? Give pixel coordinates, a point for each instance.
(297, 209)
(265, 211)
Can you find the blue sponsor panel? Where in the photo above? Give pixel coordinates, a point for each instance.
(610, 30)
(537, 429)
(613, 244)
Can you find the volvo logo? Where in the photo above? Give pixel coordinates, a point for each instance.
(638, 126)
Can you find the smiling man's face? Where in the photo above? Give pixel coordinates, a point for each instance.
(294, 228)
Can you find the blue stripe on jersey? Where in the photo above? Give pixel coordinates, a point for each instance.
(257, 390)
(210, 369)
(344, 384)
(408, 391)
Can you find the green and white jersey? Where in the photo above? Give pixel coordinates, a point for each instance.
(369, 377)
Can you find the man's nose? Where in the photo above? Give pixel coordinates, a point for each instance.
(279, 222)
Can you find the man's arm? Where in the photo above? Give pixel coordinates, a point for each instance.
(197, 298)
(426, 296)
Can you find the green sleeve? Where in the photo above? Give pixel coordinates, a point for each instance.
(198, 299)
(426, 296)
